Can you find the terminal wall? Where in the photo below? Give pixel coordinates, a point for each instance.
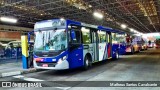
(10, 35)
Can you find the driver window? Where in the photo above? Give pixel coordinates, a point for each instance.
(75, 36)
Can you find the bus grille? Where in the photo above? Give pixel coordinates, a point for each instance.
(49, 64)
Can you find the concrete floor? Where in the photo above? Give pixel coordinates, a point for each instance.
(143, 66)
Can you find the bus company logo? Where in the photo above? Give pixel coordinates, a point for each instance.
(58, 23)
(6, 84)
(55, 23)
(62, 23)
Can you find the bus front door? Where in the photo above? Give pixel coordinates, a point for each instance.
(95, 46)
(75, 49)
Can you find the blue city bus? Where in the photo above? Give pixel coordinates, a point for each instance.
(119, 40)
(129, 42)
(66, 44)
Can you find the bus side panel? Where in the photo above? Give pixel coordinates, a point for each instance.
(114, 50)
(103, 51)
(75, 57)
(122, 49)
(88, 48)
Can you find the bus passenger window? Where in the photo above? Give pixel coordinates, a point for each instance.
(102, 37)
(114, 39)
(94, 38)
(86, 37)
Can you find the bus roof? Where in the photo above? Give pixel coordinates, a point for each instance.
(66, 22)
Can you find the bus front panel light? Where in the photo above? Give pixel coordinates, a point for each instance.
(61, 59)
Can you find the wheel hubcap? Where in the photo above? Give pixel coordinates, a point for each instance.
(117, 55)
(87, 62)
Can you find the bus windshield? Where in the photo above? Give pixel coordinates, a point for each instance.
(50, 40)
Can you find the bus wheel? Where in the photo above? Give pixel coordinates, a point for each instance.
(87, 63)
(132, 51)
(117, 55)
(139, 50)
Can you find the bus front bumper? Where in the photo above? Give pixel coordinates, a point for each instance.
(58, 66)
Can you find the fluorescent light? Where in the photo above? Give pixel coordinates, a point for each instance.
(131, 29)
(8, 19)
(98, 15)
(152, 34)
(123, 26)
(90, 6)
(62, 19)
(141, 33)
(135, 31)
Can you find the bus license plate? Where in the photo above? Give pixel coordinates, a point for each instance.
(45, 65)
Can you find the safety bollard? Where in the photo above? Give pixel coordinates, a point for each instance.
(24, 45)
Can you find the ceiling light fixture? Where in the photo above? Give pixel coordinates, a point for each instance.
(90, 6)
(123, 26)
(98, 15)
(8, 19)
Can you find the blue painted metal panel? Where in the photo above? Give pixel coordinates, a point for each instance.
(73, 22)
(122, 49)
(118, 31)
(29, 35)
(75, 57)
(25, 62)
(104, 28)
(114, 49)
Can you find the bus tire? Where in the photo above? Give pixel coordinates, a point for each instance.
(146, 48)
(133, 51)
(139, 50)
(87, 62)
(117, 55)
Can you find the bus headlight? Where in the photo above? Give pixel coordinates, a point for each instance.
(64, 57)
(61, 59)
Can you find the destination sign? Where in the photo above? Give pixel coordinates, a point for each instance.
(50, 23)
(89, 25)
